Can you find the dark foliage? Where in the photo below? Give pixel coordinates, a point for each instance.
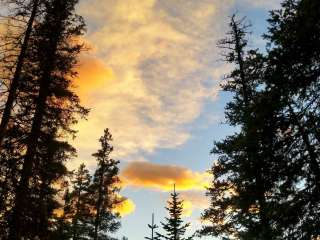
(174, 227)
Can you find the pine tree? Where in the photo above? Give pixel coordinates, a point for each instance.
(152, 227)
(14, 84)
(174, 226)
(293, 78)
(244, 185)
(80, 211)
(104, 190)
(266, 183)
(62, 218)
(47, 110)
(14, 44)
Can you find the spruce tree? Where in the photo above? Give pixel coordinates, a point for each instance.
(174, 227)
(14, 43)
(293, 78)
(62, 219)
(152, 227)
(14, 84)
(269, 172)
(244, 185)
(47, 108)
(104, 190)
(80, 211)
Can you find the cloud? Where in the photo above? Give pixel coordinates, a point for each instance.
(150, 72)
(266, 4)
(125, 208)
(162, 177)
(2, 27)
(191, 185)
(92, 74)
(187, 209)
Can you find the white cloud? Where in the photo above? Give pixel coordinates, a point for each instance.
(160, 56)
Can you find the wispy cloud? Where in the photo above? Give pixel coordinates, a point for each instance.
(150, 71)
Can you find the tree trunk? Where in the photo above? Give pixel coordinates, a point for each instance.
(22, 190)
(97, 220)
(251, 146)
(16, 78)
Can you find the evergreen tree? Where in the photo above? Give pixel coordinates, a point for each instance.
(174, 226)
(244, 185)
(79, 210)
(14, 84)
(14, 44)
(152, 227)
(47, 108)
(293, 79)
(104, 190)
(266, 180)
(62, 218)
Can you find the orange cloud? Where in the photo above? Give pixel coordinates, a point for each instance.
(125, 208)
(2, 27)
(162, 177)
(92, 75)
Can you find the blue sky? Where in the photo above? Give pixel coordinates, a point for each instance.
(152, 76)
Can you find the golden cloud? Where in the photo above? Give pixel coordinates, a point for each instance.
(127, 207)
(2, 27)
(187, 208)
(162, 177)
(92, 75)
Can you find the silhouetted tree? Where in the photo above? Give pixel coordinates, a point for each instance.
(14, 84)
(14, 43)
(152, 227)
(266, 181)
(293, 80)
(47, 110)
(80, 210)
(104, 190)
(243, 181)
(174, 226)
(62, 217)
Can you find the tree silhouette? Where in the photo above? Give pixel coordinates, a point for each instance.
(152, 227)
(243, 174)
(80, 200)
(174, 226)
(266, 180)
(293, 79)
(18, 69)
(104, 190)
(47, 110)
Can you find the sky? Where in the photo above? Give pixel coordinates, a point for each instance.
(151, 75)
